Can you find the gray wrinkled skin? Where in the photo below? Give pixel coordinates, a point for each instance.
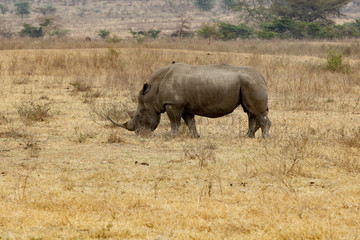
(183, 91)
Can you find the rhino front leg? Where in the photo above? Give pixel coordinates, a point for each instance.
(174, 113)
(190, 122)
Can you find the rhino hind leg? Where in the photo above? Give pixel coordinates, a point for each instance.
(264, 123)
(174, 113)
(190, 122)
(258, 121)
(253, 126)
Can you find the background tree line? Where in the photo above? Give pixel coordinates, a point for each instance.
(264, 19)
(298, 19)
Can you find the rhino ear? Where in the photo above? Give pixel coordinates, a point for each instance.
(146, 88)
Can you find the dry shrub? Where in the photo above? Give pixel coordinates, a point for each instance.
(283, 156)
(21, 80)
(348, 162)
(4, 118)
(91, 96)
(293, 151)
(351, 139)
(12, 132)
(35, 110)
(28, 139)
(209, 176)
(115, 137)
(116, 110)
(203, 153)
(82, 135)
(31, 143)
(81, 85)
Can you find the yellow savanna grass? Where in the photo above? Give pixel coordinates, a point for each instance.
(83, 179)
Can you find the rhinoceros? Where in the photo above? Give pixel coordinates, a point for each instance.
(183, 91)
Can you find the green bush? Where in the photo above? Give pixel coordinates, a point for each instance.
(229, 4)
(335, 63)
(3, 8)
(205, 5)
(208, 31)
(31, 31)
(103, 33)
(266, 34)
(152, 33)
(229, 31)
(35, 32)
(58, 32)
(279, 25)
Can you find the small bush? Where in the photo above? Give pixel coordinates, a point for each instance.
(208, 31)
(80, 85)
(59, 33)
(81, 136)
(3, 8)
(103, 33)
(90, 96)
(114, 39)
(152, 33)
(3, 118)
(116, 110)
(335, 63)
(140, 35)
(31, 31)
(35, 110)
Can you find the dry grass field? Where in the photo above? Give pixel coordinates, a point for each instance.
(67, 173)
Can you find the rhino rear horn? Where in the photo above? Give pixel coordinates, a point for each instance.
(131, 113)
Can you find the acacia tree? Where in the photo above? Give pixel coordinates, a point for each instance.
(229, 4)
(208, 31)
(183, 29)
(303, 10)
(22, 8)
(205, 5)
(309, 10)
(254, 10)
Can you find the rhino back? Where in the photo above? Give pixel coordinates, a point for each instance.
(211, 91)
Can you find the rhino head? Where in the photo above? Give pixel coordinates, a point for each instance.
(145, 117)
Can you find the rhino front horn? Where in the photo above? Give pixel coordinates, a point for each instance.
(116, 123)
